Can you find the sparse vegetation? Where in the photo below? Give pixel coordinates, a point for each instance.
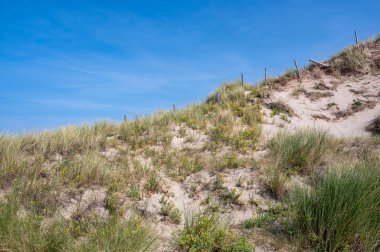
(31, 233)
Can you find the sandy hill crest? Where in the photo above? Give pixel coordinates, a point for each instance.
(342, 97)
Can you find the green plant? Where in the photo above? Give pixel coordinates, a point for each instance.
(168, 210)
(356, 104)
(341, 211)
(112, 202)
(229, 196)
(219, 181)
(263, 219)
(239, 182)
(153, 183)
(175, 216)
(208, 232)
(166, 206)
(228, 161)
(134, 192)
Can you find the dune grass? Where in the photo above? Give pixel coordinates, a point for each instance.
(341, 211)
(298, 152)
(208, 232)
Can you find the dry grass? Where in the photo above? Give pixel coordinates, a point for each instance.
(279, 107)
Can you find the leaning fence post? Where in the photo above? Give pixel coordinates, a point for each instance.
(298, 72)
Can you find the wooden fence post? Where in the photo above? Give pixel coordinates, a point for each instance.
(242, 79)
(218, 98)
(174, 107)
(298, 72)
(356, 38)
(265, 76)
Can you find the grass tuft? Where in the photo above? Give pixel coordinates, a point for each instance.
(300, 151)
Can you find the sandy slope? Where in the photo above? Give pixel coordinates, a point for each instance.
(325, 112)
(338, 98)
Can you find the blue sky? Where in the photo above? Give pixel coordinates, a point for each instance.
(70, 62)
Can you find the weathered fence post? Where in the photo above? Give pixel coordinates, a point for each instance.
(298, 72)
(242, 79)
(218, 98)
(174, 107)
(265, 76)
(356, 38)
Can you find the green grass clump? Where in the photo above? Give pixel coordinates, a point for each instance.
(207, 232)
(275, 181)
(153, 183)
(134, 192)
(228, 161)
(300, 151)
(341, 211)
